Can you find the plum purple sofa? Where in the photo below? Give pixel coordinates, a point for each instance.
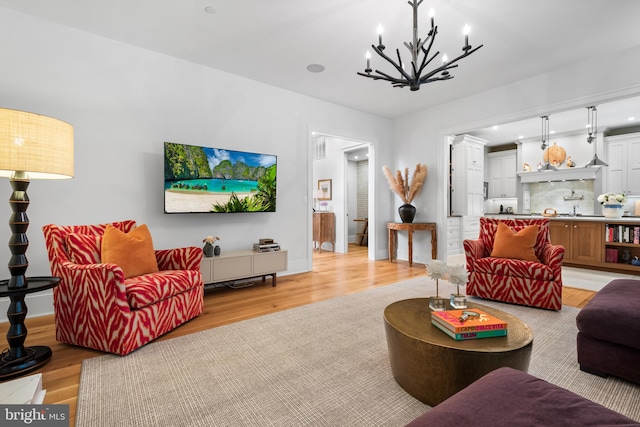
(609, 331)
(509, 397)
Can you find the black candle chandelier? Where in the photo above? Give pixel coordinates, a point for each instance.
(414, 77)
(592, 130)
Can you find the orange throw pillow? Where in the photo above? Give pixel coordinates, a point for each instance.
(132, 252)
(520, 245)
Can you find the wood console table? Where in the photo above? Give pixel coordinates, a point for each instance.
(393, 228)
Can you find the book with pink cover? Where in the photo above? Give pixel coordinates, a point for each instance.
(482, 322)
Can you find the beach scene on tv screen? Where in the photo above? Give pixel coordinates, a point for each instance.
(204, 179)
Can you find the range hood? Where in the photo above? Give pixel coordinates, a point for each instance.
(568, 174)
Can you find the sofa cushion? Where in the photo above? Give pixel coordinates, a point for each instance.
(613, 314)
(513, 244)
(148, 289)
(132, 252)
(508, 397)
(513, 267)
(84, 248)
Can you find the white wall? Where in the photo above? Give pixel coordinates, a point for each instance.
(420, 137)
(124, 102)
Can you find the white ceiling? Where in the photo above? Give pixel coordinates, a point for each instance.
(273, 41)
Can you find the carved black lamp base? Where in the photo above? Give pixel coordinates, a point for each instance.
(36, 357)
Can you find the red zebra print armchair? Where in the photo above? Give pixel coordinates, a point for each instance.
(532, 283)
(97, 307)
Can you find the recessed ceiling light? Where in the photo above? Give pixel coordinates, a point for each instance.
(631, 119)
(210, 9)
(315, 68)
(494, 127)
(520, 136)
(552, 132)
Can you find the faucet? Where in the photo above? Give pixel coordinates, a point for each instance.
(573, 196)
(574, 210)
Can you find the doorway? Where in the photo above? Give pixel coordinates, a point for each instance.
(334, 160)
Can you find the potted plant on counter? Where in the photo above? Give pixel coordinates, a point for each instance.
(612, 204)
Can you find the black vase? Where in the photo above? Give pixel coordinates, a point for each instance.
(216, 250)
(208, 250)
(407, 212)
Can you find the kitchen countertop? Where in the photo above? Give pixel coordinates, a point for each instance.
(566, 217)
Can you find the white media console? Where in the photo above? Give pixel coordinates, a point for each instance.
(237, 265)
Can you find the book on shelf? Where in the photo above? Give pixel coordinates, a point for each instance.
(469, 335)
(22, 391)
(611, 255)
(482, 322)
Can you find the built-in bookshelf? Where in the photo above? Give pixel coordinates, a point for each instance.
(622, 245)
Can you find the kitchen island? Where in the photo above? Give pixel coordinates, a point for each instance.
(593, 241)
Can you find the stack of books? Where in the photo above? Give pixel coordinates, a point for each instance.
(477, 324)
(266, 245)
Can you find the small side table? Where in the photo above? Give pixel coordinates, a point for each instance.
(393, 228)
(20, 360)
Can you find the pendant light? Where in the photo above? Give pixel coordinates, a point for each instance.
(592, 130)
(545, 137)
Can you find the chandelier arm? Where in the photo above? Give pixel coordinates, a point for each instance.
(392, 62)
(432, 38)
(426, 62)
(465, 54)
(427, 78)
(383, 76)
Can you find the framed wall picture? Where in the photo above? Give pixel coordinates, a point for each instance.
(324, 185)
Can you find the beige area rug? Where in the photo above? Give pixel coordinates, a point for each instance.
(323, 364)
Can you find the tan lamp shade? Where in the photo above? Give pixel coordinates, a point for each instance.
(36, 144)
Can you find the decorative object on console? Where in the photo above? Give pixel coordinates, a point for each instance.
(437, 270)
(208, 248)
(545, 137)
(407, 190)
(612, 204)
(592, 129)
(317, 195)
(458, 275)
(414, 77)
(32, 146)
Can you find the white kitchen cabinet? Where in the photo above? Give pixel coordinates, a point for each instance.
(501, 173)
(623, 157)
(470, 227)
(467, 175)
(454, 243)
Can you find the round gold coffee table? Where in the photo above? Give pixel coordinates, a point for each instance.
(431, 366)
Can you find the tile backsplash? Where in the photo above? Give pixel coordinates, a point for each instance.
(551, 195)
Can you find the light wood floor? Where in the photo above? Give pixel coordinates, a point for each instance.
(333, 275)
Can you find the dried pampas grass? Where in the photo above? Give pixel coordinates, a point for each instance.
(400, 184)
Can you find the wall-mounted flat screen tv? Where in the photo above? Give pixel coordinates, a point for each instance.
(203, 179)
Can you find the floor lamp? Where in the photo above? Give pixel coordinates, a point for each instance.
(31, 147)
